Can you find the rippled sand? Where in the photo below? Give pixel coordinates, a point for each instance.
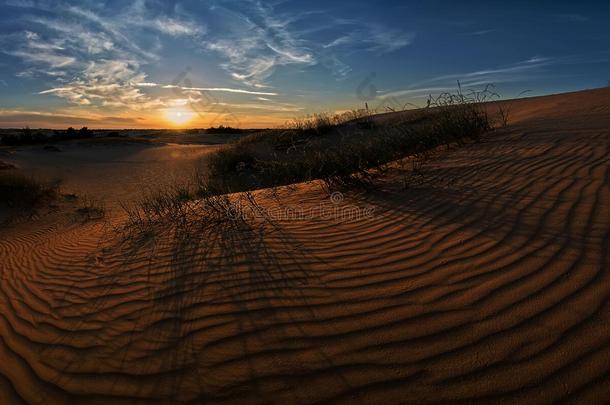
(487, 279)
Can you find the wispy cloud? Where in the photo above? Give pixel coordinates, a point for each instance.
(496, 75)
(372, 38)
(97, 57)
(45, 55)
(94, 57)
(107, 83)
(257, 41)
(265, 107)
(260, 39)
(213, 89)
(481, 32)
(572, 18)
(48, 119)
(520, 71)
(175, 27)
(140, 15)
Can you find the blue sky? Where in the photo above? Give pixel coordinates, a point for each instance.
(148, 63)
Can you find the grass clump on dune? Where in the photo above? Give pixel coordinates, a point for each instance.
(344, 148)
(339, 150)
(25, 193)
(181, 210)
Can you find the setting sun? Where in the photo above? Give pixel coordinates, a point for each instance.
(178, 117)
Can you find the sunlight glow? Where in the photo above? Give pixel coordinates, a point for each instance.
(178, 116)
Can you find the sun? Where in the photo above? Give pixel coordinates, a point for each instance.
(178, 116)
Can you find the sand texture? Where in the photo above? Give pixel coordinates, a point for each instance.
(487, 278)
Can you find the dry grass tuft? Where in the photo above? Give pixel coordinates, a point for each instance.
(342, 149)
(24, 193)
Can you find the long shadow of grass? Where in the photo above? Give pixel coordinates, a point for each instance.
(214, 254)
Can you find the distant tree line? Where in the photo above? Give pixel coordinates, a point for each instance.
(219, 130)
(225, 130)
(28, 136)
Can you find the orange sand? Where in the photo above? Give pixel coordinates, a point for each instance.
(487, 279)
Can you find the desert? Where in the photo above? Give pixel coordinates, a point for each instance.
(499, 293)
(267, 202)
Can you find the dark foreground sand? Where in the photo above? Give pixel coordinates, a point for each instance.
(487, 279)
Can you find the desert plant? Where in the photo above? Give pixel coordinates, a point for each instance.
(505, 108)
(181, 209)
(335, 149)
(84, 132)
(224, 130)
(25, 193)
(310, 149)
(26, 136)
(90, 208)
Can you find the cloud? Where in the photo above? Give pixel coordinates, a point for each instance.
(113, 27)
(372, 38)
(46, 55)
(95, 58)
(12, 118)
(356, 35)
(520, 71)
(259, 40)
(54, 61)
(256, 42)
(76, 38)
(572, 18)
(417, 91)
(503, 74)
(21, 3)
(481, 32)
(215, 89)
(109, 83)
(140, 15)
(175, 27)
(266, 107)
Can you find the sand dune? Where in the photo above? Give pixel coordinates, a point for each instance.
(110, 172)
(487, 279)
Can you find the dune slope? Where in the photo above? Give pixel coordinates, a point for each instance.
(487, 278)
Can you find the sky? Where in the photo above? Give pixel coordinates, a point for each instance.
(248, 63)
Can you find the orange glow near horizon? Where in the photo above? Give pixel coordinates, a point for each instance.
(175, 116)
(178, 117)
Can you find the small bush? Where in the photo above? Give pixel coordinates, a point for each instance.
(89, 208)
(24, 193)
(179, 208)
(343, 148)
(29, 137)
(233, 159)
(336, 149)
(225, 130)
(84, 132)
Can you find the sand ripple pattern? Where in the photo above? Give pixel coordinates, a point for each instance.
(488, 280)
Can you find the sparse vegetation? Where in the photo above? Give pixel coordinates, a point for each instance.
(180, 207)
(90, 208)
(26, 136)
(339, 150)
(505, 108)
(24, 193)
(342, 149)
(226, 130)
